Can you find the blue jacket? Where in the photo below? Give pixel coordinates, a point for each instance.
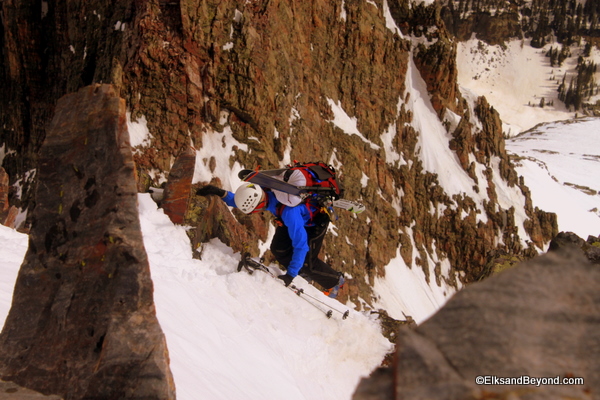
(295, 219)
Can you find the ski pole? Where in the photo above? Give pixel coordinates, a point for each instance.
(328, 313)
(256, 265)
(300, 291)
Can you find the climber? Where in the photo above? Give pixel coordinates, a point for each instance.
(298, 237)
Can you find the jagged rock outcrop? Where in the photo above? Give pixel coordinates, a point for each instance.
(537, 320)
(7, 212)
(493, 27)
(212, 219)
(569, 240)
(82, 322)
(3, 192)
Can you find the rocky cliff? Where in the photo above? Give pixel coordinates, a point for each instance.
(269, 72)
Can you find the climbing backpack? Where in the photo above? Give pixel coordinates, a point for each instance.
(320, 190)
(320, 179)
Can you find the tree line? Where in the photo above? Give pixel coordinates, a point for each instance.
(580, 87)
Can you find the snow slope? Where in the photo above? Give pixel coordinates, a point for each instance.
(232, 335)
(560, 161)
(561, 165)
(514, 80)
(13, 246)
(238, 336)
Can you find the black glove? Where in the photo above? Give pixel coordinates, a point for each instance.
(286, 279)
(210, 189)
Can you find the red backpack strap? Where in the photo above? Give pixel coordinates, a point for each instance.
(278, 212)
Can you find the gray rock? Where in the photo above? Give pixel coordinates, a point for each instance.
(83, 322)
(538, 320)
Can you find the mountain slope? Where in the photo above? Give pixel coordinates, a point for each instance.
(238, 336)
(560, 162)
(266, 84)
(233, 335)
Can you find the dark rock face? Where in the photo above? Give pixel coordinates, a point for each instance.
(538, 320)
(83, 322)
(491, 28)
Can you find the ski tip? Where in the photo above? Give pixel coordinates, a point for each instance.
(354, 207)
(357, 209)
(243, 174)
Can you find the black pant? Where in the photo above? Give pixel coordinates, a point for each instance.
(313, 267)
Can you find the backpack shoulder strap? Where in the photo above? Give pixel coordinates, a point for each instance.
(321, 172)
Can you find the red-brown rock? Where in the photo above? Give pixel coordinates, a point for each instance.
(3, 192)
(177, 190)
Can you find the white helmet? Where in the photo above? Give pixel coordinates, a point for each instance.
(247, 197)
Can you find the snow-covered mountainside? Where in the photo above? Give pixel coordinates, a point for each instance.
(516, 78)
(234, 335)
(344, 84)
(559, 161)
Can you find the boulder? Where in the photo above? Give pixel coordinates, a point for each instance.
(82, 322)
(566, 239)
(570, 240)
(592, 249)
(213, 219)
(537, 320)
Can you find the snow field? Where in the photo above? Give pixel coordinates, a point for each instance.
(238, 336)
(561, 165)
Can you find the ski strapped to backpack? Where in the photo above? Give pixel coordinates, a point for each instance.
(321, 187)
(320, 178)
(251, 265)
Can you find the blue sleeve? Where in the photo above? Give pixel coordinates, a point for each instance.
(293, 220)
(228, 199)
